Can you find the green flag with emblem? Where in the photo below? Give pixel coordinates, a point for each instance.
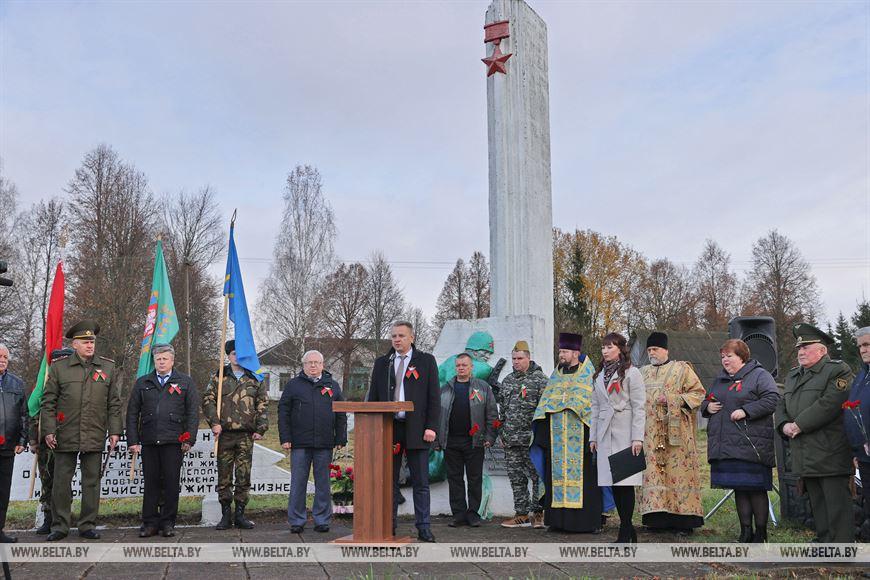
(161, 322)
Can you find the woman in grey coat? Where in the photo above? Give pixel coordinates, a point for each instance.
(618, 422)
(740, 405)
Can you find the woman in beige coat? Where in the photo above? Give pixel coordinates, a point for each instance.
(618, 422)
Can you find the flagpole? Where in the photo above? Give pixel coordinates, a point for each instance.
(62, 240)
(220, 385)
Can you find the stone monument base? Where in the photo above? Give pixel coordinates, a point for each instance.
(505, 331)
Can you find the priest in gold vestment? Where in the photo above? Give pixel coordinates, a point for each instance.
(671, 495)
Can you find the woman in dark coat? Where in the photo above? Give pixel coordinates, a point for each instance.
(740, 405)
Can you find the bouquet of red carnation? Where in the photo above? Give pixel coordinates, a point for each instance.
(2, 440)
(496, 424)
(61, 417)
(474, 429)
(184, 437)
(712, 398)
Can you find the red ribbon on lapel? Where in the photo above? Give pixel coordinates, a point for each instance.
(737, 386)
(614, 386)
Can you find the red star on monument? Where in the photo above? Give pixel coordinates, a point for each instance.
(496, 62)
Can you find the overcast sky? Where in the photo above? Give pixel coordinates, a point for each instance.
(670, 122)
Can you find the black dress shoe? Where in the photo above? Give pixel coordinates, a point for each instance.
(425, 535)
(55, 536)
(322, 528)
(473, 520)
(4, 539)
(458, 522)
(296, 529)
(147, 532)
(168, 531)
(90, 535)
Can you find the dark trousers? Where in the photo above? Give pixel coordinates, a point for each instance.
(831, 502)
(464, 461)
(418, 464)
(7, 462)
(161, 468)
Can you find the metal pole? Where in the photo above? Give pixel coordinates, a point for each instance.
(187, 312)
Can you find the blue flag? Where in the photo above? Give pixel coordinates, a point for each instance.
(246, 352)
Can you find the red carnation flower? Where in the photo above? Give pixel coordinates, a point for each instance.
(348, 470)
(397, 448)
(710, 397)
(496, 423)
(2, 440)
(474, 429)
(61, 417)
(184, 437)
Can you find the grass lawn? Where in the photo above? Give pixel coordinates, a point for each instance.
(724, 525)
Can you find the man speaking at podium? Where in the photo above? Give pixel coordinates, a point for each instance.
(407, 374)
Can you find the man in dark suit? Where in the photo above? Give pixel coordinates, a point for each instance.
(407, 374)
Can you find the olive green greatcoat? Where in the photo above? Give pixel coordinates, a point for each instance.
(81, 403)
(813, 399)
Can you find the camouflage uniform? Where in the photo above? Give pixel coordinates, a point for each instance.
(517, 400)
(244, 411)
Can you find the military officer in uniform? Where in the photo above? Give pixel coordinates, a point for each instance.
(45, 460)
(80, 406)
(810, 416)
(243, 420)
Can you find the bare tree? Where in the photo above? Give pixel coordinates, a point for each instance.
(38, 239)
(343, 308)
(303, 256)
(479, 280)
(115, 219)
(425, 335)
(454, 301)
(666, 297)
(385, 300)
(782, 286)
(717, 286)
(195, 237)
(8, 208)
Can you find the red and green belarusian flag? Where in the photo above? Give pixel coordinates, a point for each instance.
(53, 338)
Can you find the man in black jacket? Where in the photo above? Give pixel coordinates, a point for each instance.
(162, 421)
(310, 429)
(407, 374)
(13, 433)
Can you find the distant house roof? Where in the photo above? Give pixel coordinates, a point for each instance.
(286, 352)
(699, 347)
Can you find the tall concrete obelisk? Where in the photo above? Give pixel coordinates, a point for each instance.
(520, 198)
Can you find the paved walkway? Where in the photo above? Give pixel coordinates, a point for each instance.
(276, 531)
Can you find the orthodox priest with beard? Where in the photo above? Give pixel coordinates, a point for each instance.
(560, 451)
(670, 499)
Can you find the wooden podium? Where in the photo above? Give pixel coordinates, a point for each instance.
(373, 471)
